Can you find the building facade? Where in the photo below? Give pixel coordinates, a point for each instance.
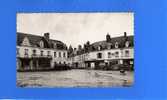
(112, 53)
(39, 52)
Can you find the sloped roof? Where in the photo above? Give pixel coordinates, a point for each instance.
(121, 41)
(34, 40)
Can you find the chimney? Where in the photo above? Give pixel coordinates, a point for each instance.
(108, 38)
(125, 34)
(46, 36)
(79, 47)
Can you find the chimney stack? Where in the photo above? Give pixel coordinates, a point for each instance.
(46, 35)
(125, 34)
(108, 38)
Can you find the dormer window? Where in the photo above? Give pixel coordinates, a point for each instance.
(127, 44)
(99, 47)
(116, 45)
(41, 44)
(26, 42)
(109, 46)
(55, 45)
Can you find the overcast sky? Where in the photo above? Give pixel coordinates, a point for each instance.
(76, 28)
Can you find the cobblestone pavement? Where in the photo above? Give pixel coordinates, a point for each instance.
(75, 78)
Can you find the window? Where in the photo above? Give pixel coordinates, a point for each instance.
(17, 51)
(131, 62)
(55, 63)
(26, 52)
(34, 52)
(99, 48)
(127, 44)
(41, 53)
(117, 54)
(111, 46)
(108, 47)
(26, 42)
(126, 53)
(55, 54)
(99, 55)
(59, 54)
(55, 45)
(112, 54)
(64, 54)
(109, 54)
(41, 44)
(116, 45)
(48, 53)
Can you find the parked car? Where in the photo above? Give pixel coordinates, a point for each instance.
(125, 67)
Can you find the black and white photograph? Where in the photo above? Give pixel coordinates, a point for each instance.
(94, 49)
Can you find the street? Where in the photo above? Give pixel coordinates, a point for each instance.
(74, 78)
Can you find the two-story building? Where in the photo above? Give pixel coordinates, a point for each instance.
(111, 52)
(39, 52)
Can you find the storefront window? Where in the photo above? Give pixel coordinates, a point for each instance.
(41, 44)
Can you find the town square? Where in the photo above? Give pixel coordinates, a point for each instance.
(45, 61)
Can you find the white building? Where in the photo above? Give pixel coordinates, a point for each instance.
(111, 52)
(39, 52)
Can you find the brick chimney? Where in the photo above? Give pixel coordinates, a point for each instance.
(125, 34)
(108, 38)
(46, 36)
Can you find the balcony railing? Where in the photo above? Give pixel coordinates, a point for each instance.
(34, 56)
(41, 56)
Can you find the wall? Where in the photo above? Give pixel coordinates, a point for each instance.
(56, 59)
(93, 56)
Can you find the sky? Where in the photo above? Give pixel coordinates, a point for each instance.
(76, 28)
